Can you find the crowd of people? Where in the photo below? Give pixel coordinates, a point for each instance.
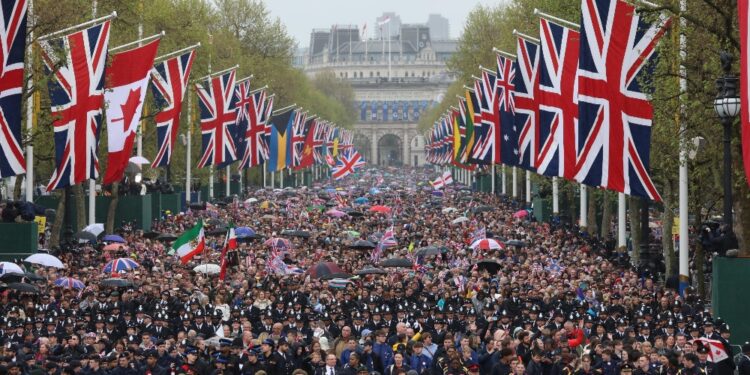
(550, 301)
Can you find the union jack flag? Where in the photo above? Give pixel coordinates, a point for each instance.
(484, 121)
(169, 84)
(389, 238)
(527, 79)
(349, 161)
(506, 149)
(319, 139)
(557, 99)
(251, 125)
(299, 133)
(77, 97)
(218, 117)
(267, 112)
(614, 113)
(13, 39)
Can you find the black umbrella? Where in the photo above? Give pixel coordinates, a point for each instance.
(166, 237)
(355, 214)
(84, 237)
(396, 263)
(465, 199)
(116, 283)
(151, 235)
(18, 277)
(326, 270)
(429, 250)
(371, 271)
(23, 287)
(216, 222)
(362, 245)
(490, 265)
(482, 209)
(515, 243)
(217, 232)
(295, 233)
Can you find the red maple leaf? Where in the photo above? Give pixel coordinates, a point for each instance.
(129, 107)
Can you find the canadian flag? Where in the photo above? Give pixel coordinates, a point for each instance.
(230, 243)
(716, 350)
(127, 81)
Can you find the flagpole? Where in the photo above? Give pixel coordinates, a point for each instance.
(493, 178)
(515, 183)
(503, 187)
(188, 149)
(228, 190)
(178, 52)
(273, 177)
(92, 181)
(30, 106)
(79, 26)
(555, 197)
(211, 182)
(583, 223)
(621, 210)
(528, 189)
(389, 50)
(684, 254)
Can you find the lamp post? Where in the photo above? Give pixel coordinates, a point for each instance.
(727, 106)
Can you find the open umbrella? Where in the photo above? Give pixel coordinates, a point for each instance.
(277, 242)
(268, 217)
(371, 271)
(70, 283)
(355, 214)
(335, 213)
(151, 235)
(244, 232)
(251, 200)
(8, 267)
(437, 193)
(482, 209)
(487, 244)
(113, 238)
(361, 200)
(381, 209)
(490, 265)
(429, 250)
(448, 210)
(295, 233)
(515, 243)
(362, 245)
(96, 229)
(459, 220)
(116, 282)
(114, 247)
(85, 237)
(520, 214)
(120, 264)
(140, 160)
(396, 263)
(326, 270)
(23, 287)
(166, 237)
(217, 232)
(46, 260)
(208, 269)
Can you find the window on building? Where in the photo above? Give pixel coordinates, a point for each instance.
(412, 74)
(370, 74)
(406, 74)
(378, 74)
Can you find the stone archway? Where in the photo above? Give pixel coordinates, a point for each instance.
(390, 150)
(362, 144)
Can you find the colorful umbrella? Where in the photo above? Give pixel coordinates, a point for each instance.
(113, 238)
(120, 264)
(70, 283)
(335, 213)
(244, 232)
(521, 214)
(487, 244)
(326, 270)
(381, 209)
(114, 247)
(46, 260)
(361, 200)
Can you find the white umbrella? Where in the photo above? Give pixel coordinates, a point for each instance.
(140, 160)
(46, 260)
(449, 210)
(460, 220)
(95, 229)
(251, 200)
(208, 268)
(8, 267)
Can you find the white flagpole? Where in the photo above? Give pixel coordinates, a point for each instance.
(92, 181)
(503, 188)
(555, 197)
(515, 182)
(139, 135)
(281, 179)
(684, 254)
(30, 106)
(273, 177)
(583, 222)
(188, 150)
(493, 178)
(228, 190)
(389, 51)
(528, 189)
(211, 182)
(621, 208)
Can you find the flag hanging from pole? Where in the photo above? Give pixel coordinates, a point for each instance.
(13, 22)
(525, 86)
(507, 145)
(256, 148)
(218, 117)
(76, 97)
(278, 140)
(169, 81)
(230, 243)
(127, 83)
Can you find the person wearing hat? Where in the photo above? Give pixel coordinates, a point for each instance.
(725, 366)
(194, 362)
(743, 366)
(252, 365)
(703, 363)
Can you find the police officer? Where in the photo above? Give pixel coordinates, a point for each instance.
(744, 365)
(691, 366)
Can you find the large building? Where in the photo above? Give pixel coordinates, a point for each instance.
(395, 80)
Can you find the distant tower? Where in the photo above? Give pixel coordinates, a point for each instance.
(439, 27)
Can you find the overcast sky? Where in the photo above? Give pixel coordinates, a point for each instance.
(301, 16)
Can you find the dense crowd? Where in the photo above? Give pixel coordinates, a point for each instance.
(549, 302)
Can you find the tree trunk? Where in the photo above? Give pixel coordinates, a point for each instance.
(606, 214)
(634, 216)
(80, 201)
(109, 226)
(17, 193)
(667, 221)
(56, 230)
(591, 227)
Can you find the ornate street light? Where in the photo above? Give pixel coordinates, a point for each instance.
(727, 107)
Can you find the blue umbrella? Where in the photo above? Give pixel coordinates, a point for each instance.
(361, 200)
(437, 193)
(113, 238)
(120, 264)
(244, 232)
(70, 283)
(374, 191)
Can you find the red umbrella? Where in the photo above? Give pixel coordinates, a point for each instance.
(521, 214)
(487, 244)
(383, 209)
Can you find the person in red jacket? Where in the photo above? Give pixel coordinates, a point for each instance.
(575, 335)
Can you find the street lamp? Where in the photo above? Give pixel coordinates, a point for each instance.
(727, 106)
